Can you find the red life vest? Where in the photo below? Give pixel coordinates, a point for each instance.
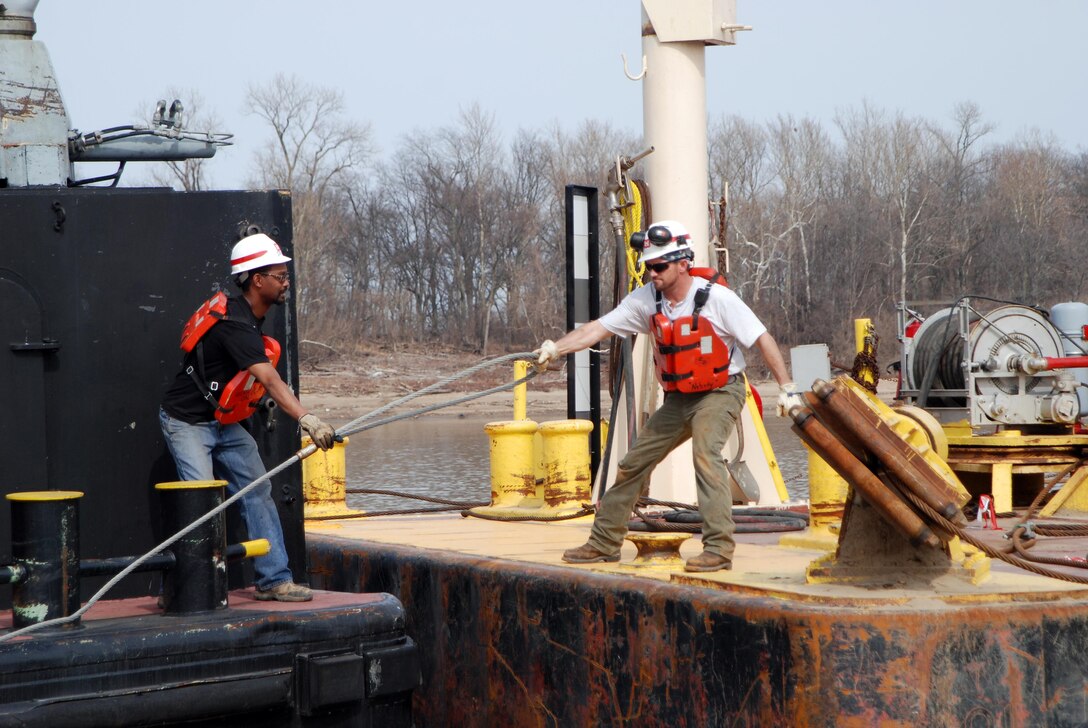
(688, 354)
(241, 394)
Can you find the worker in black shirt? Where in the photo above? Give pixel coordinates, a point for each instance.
(228, 366)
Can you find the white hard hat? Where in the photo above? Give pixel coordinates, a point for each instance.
(255, 251)
(667, 239)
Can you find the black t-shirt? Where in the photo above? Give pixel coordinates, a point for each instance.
(230, 346)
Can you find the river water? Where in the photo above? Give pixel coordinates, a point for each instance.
(447, 457)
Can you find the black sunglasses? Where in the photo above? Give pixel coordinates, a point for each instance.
(658, 267)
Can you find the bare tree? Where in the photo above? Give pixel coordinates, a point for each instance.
(457, 236)
(960, 173)
(190, 175)
(801, 153)
(739, 157)
(1030, 195)
(318, 154)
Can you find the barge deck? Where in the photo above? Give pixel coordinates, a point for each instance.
(514, 636)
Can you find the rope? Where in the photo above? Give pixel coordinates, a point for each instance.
(349, 429)
(1060, 529)
(1048, 484)
(632, 222)
(300, 455)
(1021, 549)
(1022, 563)
(669, 504)
(746, 520)
(586, 510)
(357, 425)
(373, 514)
(413, 496)
(448, 505)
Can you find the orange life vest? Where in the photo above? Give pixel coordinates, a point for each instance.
(241, 394)
(688, 354)
(209, 314)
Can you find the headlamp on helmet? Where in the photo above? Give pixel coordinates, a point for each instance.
(665, 241)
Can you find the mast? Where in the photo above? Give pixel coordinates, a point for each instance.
(675, 34)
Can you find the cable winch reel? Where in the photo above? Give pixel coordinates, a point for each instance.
(998, 368)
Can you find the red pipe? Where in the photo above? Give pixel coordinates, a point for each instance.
(1065, 362)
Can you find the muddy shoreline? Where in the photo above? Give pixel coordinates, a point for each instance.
(339, 407)
(344, 388)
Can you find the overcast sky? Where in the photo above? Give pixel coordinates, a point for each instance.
(410, 65)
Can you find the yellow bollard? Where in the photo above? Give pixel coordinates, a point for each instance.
(565, 466)
(827, 492)
(324, 482)
(863, 329)
(660, 551)
(513, 477)
(521, 368)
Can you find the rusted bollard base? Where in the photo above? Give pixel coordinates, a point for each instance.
(657, 550)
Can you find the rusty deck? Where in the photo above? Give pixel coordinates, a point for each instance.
(512, 636)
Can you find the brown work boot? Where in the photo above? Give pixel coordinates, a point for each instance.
(586, 554)
(285, 592)
(708, 561)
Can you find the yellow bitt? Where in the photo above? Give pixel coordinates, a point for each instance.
(827, 498)
(865, 347)
(513, 469)
(565, 466)
(521, 391)
(537, 471)
(324, 482)
(657, 551)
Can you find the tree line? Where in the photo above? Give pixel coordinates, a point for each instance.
(456, 236)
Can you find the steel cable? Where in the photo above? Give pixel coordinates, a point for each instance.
(986, 548)
(586, 510)
(351, 428)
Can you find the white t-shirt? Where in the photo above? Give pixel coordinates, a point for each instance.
(730, 317)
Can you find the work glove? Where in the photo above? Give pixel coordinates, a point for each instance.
(321, 433)
(788, 396)
(548, 352)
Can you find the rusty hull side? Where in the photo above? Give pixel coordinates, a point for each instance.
(517, 644)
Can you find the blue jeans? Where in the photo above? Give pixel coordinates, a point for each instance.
(210, 451)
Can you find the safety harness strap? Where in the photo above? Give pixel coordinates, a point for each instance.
(201, 380)
(701, 297)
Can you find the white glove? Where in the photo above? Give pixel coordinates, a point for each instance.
(322, 434)
(548, 352)
(788, 396)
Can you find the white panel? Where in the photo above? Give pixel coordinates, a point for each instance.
(581, 237)
(808, 363)
(581, 381)
(581, 215)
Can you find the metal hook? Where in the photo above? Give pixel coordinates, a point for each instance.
(627, 73)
